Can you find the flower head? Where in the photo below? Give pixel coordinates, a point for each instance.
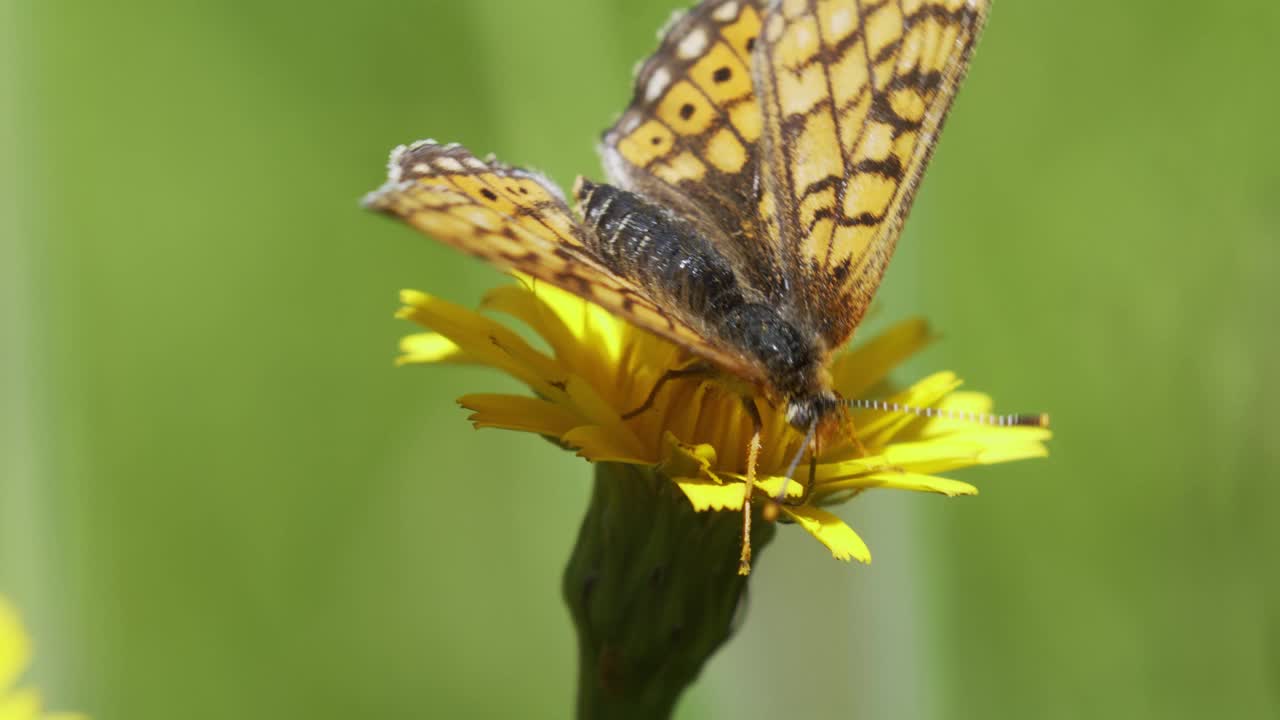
(15, 654)
(596, 369)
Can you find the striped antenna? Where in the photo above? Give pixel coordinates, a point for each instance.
(1041, 420)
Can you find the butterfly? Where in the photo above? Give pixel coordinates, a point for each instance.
(757, 184)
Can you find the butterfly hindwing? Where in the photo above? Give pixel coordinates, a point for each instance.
(517, 220)
(853, 96)
(689, 140)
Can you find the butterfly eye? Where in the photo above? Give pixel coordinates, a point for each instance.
(800, 414)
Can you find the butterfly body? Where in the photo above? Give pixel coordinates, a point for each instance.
(759, 181)
(654, 248)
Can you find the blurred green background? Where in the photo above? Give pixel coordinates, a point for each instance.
(219, 499)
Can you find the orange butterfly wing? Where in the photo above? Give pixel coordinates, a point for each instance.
(518, 220)
(853, 94)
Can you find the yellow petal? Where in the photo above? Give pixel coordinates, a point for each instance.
(920, 457)
(15, 649)
(769, 485)
(599, 444)
(572, 326)
(975, 445)
(908, 454)
(1013, 451)
(488, 342)
(430, 348)
(582, 397)
(983, 446)
(831, 531)
(857, 371)
(688, 461)
(521, 303)
(842, 469)
(968, 400)
(720, 495)
(708, 495)
(525, 414)
(773, 484)
(591, 324)
(901, 481)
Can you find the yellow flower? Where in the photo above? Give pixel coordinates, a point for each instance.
(597, 368)
(15, 653)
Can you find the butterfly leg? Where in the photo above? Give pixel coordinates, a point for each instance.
(813, 475)
(698, 369)
(753, 460)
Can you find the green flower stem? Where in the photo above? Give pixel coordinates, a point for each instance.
(653, 588)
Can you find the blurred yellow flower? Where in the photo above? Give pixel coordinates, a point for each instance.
(15, 654)
(597, 368)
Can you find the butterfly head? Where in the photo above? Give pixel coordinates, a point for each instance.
(805, 413)
(815, 415)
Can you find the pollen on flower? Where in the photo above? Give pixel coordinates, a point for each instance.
(595, 369)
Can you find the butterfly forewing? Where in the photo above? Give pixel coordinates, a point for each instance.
(517, 220)
(853, 94)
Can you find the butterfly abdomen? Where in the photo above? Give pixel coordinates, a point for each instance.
(680, 268)
(667, 257)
